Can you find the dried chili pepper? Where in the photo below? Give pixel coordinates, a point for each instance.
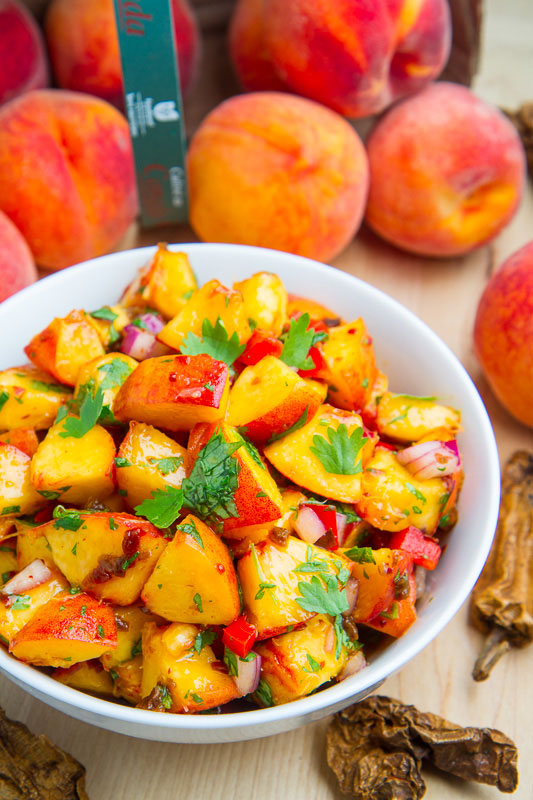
(502, 600)
(32, 768)
(376, 749)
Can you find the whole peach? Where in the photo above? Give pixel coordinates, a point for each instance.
(22, 55)
(355, 57)
(447, 172)
(17, 268)
(278, 171)
(66, 174)
(83, 46)
(503, 334)
(249, 50)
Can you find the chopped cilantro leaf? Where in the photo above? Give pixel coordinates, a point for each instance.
(137, 648)
(48, 387)
(198, 602)
(21, 602)
(167, 465)
(126, 564)
(320, 598)
(163, 507)
(122, 462)
(203, 639)
(4, 397)
(339, 456)
(112, 524)
(101, 631)
(114, 373)
(230, 660)
(313, 663)
(191, 529)
(361, 555)
(10, 510)
(74, 549)
(104, 313)
(90, 409)
(297, 344)
(393, 613)
(165, 697)
(264, 693)
(262, 586)
(415, 491)
(67, 519)
(196, 697)
(209, 490)
(214, 341)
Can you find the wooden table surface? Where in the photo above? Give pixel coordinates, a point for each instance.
(292, 765)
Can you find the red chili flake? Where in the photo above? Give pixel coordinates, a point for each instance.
(173, 376)
(220, 568)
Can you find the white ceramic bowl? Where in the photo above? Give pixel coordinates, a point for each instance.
(416, 361)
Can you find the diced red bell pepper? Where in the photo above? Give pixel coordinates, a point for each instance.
(259, 345)
(240, 636)
(425, 550)
(319, 364)
(327, 515)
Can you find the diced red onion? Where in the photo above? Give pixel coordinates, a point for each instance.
(308, 525)
(248, 675)
(330, 641)
(352, 590)
(152, 322)
(28, 578)
(355, 664)
(141, 344)
(454, 447)
(427, 460)
(341, 527)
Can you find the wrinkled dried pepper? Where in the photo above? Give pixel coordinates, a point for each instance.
(376, 749)
(502, 600)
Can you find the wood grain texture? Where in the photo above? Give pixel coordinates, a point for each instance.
(292, 766)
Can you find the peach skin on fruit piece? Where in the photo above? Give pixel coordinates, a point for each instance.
(67, 629)
(270, 575)
(392, 499)
(17, 495)
(265, 301)
(256, 498)
(399, 616)
(447, 172)
(304, 455)
(279, 171)
(65, 346)
(503, 334)
(296, 663)
(130, 621)
(380, 574)
(74, 468)
(108, 373)
(408, 418)
(24, 439)
(194, 579)
(29, 398)
(78, 197)
(17, 266)
(18, 609)
(148, 460)
(211, 301)
(175, 392)
(350, 366)
(110, 555)
(268, 398)
(165, 284)
(178, 679)
(87, 676)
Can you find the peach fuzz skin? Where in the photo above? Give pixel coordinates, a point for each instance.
(356, 58)
(447, 172)
(23, 65)
(503, 334)
(83, 46)
(78, 196)
(279, 171)
(17, 267)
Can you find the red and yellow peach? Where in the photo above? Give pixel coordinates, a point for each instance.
(23, 64)
(17, 266)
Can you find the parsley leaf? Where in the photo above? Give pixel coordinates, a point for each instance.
(203, 639)
(361, 555)
(168, 464)
(322, 599)
(210, 488)
(114, 373)
(163, 507)
(89, 413)
(300, 422)
(339, 456)
(297, 344)
(191, 529)
(214, 341)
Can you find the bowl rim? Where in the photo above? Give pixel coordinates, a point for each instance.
(341, 692)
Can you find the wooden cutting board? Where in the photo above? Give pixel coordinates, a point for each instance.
(444, 294)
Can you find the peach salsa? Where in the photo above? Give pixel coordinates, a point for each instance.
(209, 494)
